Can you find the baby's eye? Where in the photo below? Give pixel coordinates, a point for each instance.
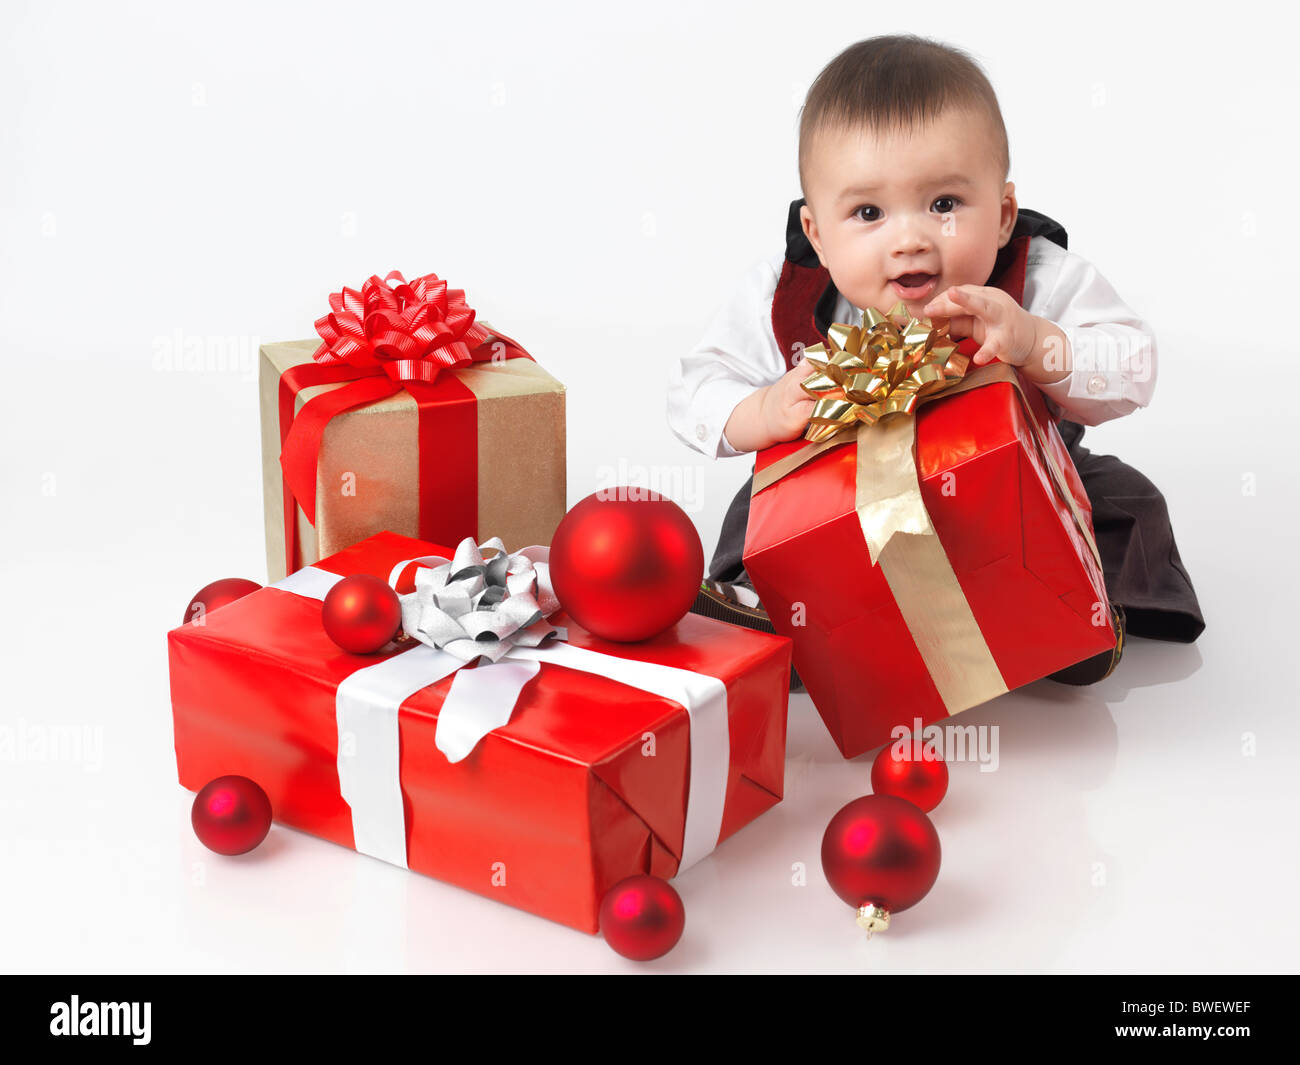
(867, 207)
(946, 199)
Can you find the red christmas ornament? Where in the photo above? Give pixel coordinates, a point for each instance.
(231, 815)
(880, 854)
(642, 917)
(914, 773)
(626, 563)
(361, 613)
(216, 595)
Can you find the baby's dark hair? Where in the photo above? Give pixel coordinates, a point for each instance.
(895, 83)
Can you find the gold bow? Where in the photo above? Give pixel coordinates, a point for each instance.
(878, 368)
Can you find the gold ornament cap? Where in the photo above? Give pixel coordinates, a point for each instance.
(873, 918)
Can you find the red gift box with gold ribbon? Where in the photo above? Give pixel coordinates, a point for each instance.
(616, 759)
(406, 414)
(933, 557)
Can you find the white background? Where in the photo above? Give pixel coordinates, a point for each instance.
(598, 183)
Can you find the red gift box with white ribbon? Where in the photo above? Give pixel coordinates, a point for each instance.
(578, 762)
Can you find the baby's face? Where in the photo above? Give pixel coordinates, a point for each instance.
(930, 203)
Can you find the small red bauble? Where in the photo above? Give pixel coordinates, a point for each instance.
(216, 595)
(626, 563)
(231, 815)
(361, 614)
(880, 854)
(914, 773)
(642, 917)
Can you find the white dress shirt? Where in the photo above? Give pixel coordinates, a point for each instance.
(1113, 349)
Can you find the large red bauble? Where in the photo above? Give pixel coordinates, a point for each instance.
(361, 613)
(642, 917)
(231, 815)
(626, 563)
(881, 850)
(913, 773)
(216, 595)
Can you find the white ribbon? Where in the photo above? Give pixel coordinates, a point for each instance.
(484, 698)
(473, 608)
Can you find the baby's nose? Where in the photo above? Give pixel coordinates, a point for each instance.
(911, 237)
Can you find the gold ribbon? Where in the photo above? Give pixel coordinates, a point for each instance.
(878, 368)
(912, 365)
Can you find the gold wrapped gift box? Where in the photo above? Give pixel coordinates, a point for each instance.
(368, 475)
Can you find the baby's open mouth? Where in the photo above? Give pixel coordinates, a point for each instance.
(913, 280)
(914, 286)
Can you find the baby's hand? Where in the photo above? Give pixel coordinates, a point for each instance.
(1003, 329)
(786, 406)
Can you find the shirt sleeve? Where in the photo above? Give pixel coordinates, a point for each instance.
(737, 355)
(1113, 350)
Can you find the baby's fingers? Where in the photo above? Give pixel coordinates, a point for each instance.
(947, 304)
(802, 369)
(995, 346)
(959, 325)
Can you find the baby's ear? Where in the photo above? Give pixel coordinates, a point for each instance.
(810, 231)
(1010, 212)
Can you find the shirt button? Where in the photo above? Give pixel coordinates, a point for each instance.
(1096, 383)
(701, 432)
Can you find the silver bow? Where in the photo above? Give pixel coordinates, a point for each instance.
(473, 608)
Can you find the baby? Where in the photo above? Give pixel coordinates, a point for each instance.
(903, 162)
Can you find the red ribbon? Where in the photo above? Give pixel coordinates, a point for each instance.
(409, 331)
(382, 339)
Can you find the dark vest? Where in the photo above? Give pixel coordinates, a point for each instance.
(806, 296)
